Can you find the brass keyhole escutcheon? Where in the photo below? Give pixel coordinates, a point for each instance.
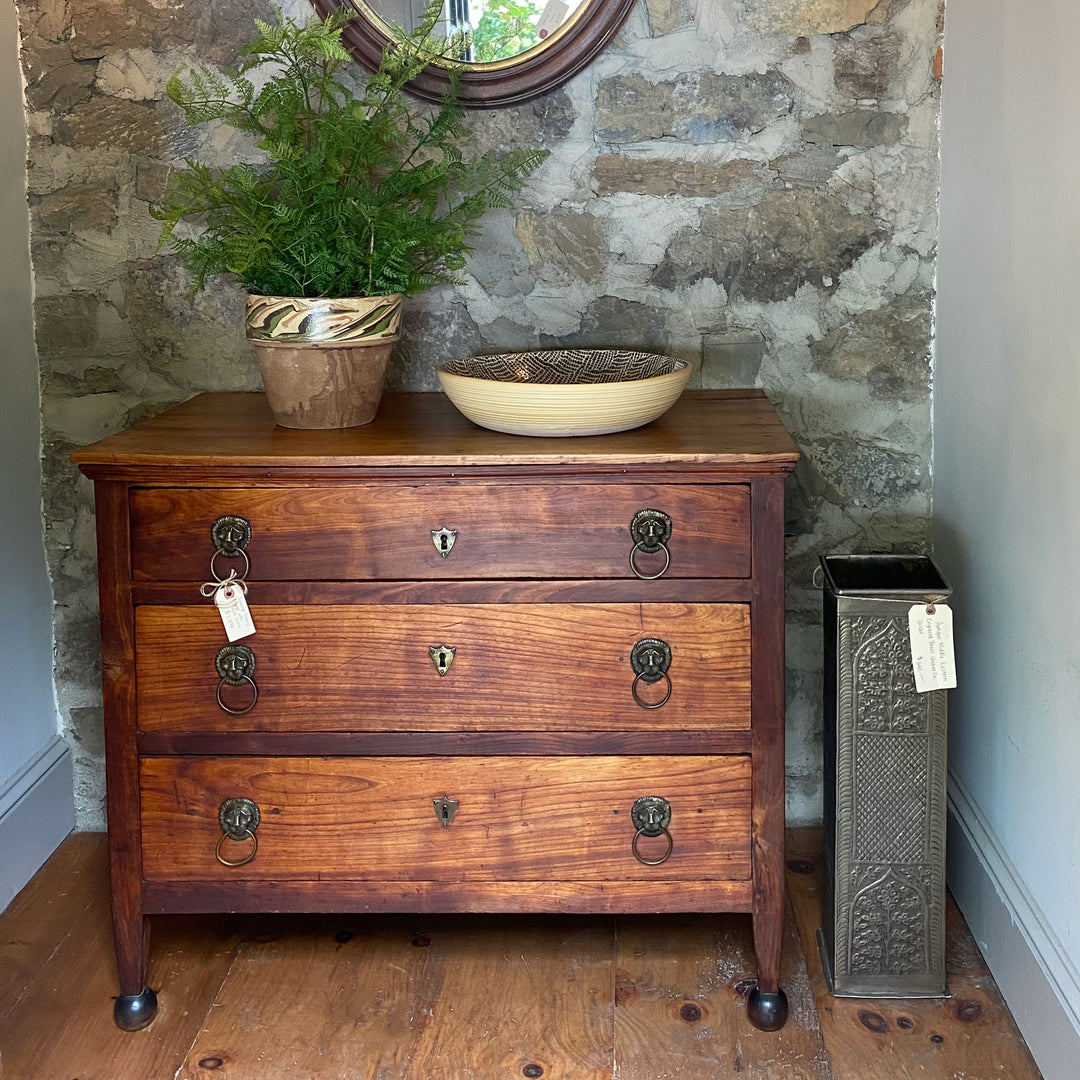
(443, 539)
(445, 809)
(442, 656)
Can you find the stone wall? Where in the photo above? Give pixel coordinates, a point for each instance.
(748, 184)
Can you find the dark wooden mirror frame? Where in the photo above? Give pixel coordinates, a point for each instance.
(506, 82)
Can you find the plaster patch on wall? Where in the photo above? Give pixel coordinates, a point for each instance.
(813, 16)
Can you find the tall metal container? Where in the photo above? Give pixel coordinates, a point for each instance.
(883, 919)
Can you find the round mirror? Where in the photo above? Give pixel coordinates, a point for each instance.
(518, 48)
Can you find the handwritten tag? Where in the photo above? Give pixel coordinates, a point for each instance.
(233, 608)
(931, 629)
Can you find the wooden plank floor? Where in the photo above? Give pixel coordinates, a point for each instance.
(466, 997)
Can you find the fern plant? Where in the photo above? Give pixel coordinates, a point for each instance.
(360, 195)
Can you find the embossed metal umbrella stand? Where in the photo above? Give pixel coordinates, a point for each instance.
(883, 918)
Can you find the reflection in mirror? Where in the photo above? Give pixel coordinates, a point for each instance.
(498, 29)
(520, 48)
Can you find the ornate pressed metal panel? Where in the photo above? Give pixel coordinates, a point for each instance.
(889, 890)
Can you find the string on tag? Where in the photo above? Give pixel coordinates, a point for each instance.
(208, 588)
(229, 598)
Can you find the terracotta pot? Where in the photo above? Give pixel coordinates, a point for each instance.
(323, 361)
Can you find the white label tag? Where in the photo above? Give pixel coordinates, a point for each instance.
(930, 627)
(233, 609)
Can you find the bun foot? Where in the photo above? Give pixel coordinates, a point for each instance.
(767, 1012)
(135, 1011)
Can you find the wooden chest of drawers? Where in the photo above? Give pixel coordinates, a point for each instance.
(489, 673)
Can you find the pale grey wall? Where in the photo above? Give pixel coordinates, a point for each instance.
(27, 714)
(1007, 473)
(27, 708)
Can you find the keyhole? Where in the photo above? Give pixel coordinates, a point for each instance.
(446, 813)
(442, 663)
(442, 543)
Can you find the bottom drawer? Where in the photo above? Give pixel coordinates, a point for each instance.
(525, 819)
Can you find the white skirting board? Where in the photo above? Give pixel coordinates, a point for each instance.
(37, 810)
(1038, 980)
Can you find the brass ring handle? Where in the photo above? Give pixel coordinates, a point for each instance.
(652, 862)
(650, 659)
(650, 577)
(230, 555)
(238, 817)
(651, 816)
(248, 834)
(645, 704)
(254, 695)
(650, 530)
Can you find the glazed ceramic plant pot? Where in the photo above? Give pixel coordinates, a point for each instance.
(323, 361)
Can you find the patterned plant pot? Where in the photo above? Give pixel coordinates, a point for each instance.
(323, 361)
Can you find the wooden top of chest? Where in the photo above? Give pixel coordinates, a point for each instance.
(705, 427)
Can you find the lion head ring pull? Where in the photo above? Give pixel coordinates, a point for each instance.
(235, 665)
(651, 815)
(238, 818)
(650, 530)
(230, 535)
(650, 658)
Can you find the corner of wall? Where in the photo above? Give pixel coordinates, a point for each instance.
(1032, 970)
(36, 813)
(37, 802)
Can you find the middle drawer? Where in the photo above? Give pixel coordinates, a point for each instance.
(447, 667)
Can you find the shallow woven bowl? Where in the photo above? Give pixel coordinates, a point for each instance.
(564, 391)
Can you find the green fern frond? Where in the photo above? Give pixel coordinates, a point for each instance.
(359, 194)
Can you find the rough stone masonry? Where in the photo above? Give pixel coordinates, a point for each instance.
(747, 184)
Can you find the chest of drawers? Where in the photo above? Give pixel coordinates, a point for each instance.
(488, 673)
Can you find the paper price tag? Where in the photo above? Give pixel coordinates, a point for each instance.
(931, 630)
(233, 608)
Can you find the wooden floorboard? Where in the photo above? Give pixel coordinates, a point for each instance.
(74, 882)
(516, 999)
(680, 1008)
(467, 997)
(969, 1035)
(460, 997)
(62, 1027)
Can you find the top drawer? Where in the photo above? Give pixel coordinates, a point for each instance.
(469, 530)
